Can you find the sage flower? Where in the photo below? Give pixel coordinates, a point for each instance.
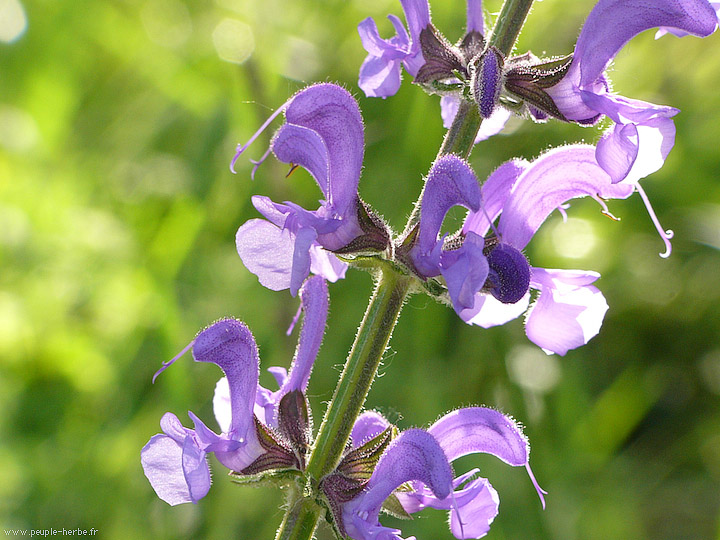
(643, 133)
(324, 134)
(421, 460)
(487, 275)
(568, 310)
(256, 435)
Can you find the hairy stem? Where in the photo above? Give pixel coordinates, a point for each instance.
(509, 23)
(359, 372)
(380, 318)
(300, 521)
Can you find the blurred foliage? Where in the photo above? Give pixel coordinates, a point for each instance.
(118, 120)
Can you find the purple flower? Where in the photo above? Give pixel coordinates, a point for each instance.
(324, 134)
(450, 182)
(488, 278)
(422, 459)
(414, 456)
(569, 310)
(380, 73)
(643, 134)
(254, 437)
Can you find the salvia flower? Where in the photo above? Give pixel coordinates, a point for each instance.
(487, 275)
(414, 472)
(643, 133)
(450, 182)
(569, 310)
(434, 63)
(261, 430)
(426, 55)
(324, 134)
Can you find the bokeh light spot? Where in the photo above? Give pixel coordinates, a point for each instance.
(574, 239)
(532, 369)
(166, 22)
(18, 130)
(13, 21)
(233, 40)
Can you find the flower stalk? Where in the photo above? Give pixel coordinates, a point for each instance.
(509, 23)
(380, 318)
(300, 521)
(352, 388)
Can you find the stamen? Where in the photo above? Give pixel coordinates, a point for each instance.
(171, 362)
(666, 235)
(605, 210)
(294, 321)
(540, 491)
(490, 221)
(293, 166)
(258, 162)
(457, 512)
(563, 211)
(611, 216)
(242, 147)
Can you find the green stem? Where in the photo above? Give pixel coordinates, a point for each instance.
(300, 521)
(359, 372)
(460, 138)
(509, 23)
(379, 321)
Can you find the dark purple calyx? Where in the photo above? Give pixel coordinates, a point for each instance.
(509, 277)
(528, 77)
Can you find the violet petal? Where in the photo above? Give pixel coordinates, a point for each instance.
(162, 462)
(414, 455)
(267, 252)
(450, 182)
(314, 297)
(569, 311)
(479, 429)
(334, 115)
(612, 23)
(495, 191)
(475, 16)
(554, 178)
(368, 425)
(230, 344)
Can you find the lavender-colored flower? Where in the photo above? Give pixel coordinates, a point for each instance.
(324, 134)
(467, 431)
(380, 73)
(569, 309)
(426, 54)
(450, 182)
(414, 456)
(253, 436)
(643, 134)
(422, 459)
(488, 278)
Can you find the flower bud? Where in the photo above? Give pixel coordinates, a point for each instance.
(486, 80)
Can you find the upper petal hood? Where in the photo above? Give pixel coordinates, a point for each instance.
(551, 180)
(612, 23)
(230, 344)
(325, 115)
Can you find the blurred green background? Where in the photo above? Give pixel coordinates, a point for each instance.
(118, 120)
